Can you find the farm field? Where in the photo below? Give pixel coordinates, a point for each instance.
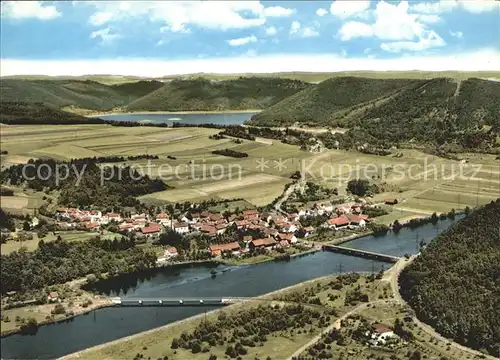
(422, 183)
(30, 245)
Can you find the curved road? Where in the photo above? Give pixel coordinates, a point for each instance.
(392, 276)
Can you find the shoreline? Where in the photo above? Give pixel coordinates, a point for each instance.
(94, 306)
(196, 317)
(194, 112)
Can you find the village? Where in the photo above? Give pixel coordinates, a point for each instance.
(252, 230)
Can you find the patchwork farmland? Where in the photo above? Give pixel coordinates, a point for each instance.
(422, 183)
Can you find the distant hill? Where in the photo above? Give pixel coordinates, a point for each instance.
(30, 113)
(81, 94)
(440, 112)
(202, 94)
(455, 284)
(329, 101)
(312, 77)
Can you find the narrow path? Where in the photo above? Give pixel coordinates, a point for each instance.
(392, 276)
(336, 325)
(457, 91)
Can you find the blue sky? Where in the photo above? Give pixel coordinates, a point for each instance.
(157, 38)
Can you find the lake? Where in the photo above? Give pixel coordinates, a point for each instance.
(109, 324)
(230, 118)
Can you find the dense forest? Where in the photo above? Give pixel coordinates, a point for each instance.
(32, 113)
(326, 102)
(455, 284)
(81, 94)
(201, 94)
(439, 113)
(82, 183)
(60, 261)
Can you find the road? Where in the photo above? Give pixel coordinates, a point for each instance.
(337, 325)
(392, 276)
(286, 195)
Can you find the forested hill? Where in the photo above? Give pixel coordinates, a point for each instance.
(439, 113)
(349, 101)
(455, 284)
(329, 101)
(30, 113)
(201, 94)
(81, 94)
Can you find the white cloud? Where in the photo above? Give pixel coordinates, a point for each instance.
(29, 9)
(442, 6)
(344, 9)
(484, 60)
(321, 12)
(105, 35)
(309, 32)
(242, 41)
(457, 34)
(271, 31)
(355, 29)
(431, 40)
(428, 18)
(296, 29)
(394, 23)
(251, 53)
(179, 15)
(479, 6)
(278, 11)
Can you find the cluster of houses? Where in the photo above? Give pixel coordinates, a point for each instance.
(275, 229)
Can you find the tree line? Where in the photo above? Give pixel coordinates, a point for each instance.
(455, 284)
(60, 261)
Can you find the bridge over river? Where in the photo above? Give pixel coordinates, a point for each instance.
(171, 301)
(361, 253)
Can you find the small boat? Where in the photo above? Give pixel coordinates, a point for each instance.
(174, 119)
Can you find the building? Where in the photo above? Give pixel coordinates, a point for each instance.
(164, 219)
(53, 297)
(262, 243)
(170, 252)
(391, 201)
(151, 231)
(337, 223)
(218, 249)
(356, 221)
(380, 334)
(288, 237)
(208, 230)
(181, 228)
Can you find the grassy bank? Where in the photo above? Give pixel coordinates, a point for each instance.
(156, 342)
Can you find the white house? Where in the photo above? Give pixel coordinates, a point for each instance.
(380, 334)
(164, 219)
(170, 252)
(181, 228)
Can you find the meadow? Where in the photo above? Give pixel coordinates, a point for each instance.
(422, 183)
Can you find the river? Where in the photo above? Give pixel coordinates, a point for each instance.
(229, 118)
(109, 324)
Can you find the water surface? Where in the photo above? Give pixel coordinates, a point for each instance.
(112, 323)
(236, 118)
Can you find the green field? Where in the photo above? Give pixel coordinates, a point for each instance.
(30, 245)
(422, 183)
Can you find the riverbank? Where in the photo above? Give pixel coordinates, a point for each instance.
(44, 316)
(201, 112)
(170, 327)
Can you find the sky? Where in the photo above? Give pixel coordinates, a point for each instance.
(157, 38)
